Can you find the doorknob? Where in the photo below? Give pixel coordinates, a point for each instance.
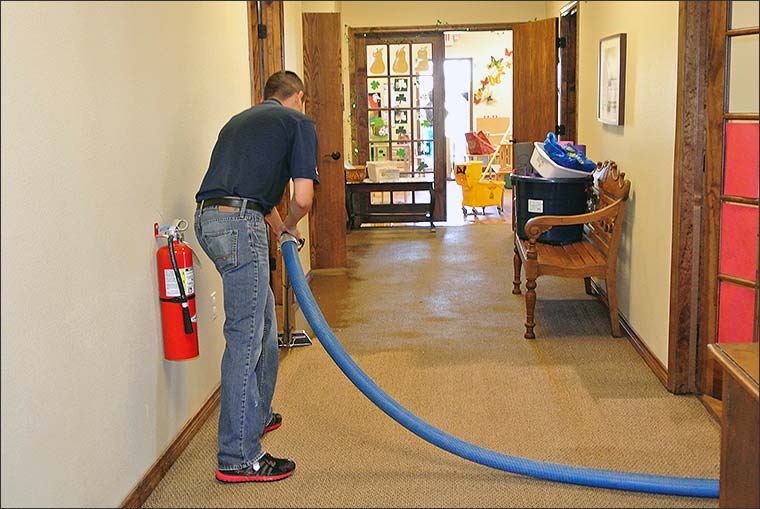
(335, 155)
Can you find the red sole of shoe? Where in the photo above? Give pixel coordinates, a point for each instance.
(251, 478)
(272, 427)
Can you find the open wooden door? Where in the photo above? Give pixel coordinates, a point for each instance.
(535, 80)
(324, 104)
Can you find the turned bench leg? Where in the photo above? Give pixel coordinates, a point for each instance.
(518, 268)
(589, 288)
(530, 307)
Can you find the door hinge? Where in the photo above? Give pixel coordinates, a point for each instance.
(561, 42)
(262, 31)
(560, 130)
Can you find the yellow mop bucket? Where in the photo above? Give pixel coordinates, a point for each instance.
(476, 190)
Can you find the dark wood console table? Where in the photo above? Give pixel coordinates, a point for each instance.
(388, 213)
(739, 452)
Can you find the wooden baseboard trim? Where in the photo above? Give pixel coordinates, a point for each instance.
(158, 470)
(714, 406)
(649, 358)
(638, 344)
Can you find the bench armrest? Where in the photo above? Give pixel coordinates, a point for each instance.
(534, 227)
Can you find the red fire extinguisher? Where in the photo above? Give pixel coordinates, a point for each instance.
(177, 294)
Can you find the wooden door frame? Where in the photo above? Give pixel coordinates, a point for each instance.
(565, 102)
(267, 56)
(708, 374)
(688, 196)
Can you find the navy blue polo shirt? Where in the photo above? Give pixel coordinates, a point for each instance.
(257, 153)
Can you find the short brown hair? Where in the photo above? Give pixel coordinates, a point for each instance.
(282, 85)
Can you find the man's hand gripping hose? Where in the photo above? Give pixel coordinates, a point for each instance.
(286, 237)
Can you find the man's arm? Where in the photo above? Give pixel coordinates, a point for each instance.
(275, 222)
(298, 206)
(300, 201)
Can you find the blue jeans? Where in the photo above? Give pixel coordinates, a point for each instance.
(237, 243)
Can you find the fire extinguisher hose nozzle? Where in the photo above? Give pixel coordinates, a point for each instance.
(186, 319)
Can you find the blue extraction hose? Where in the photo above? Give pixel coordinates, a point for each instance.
(649, 483)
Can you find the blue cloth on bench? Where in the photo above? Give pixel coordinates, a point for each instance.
(567, 156)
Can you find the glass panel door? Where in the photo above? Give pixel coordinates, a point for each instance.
(400, 106)
(398, 87)
(738, 251)
(730, 276)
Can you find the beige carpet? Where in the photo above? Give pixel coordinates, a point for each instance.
(430, 317)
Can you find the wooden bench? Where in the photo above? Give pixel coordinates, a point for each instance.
(595, 255)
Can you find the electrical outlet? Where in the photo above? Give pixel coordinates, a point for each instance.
(212, 305)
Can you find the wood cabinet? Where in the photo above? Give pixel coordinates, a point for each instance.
(739, 452)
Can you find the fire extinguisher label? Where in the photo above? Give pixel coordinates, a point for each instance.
(170, 281)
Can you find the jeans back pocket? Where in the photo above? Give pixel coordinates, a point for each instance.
(221, 247)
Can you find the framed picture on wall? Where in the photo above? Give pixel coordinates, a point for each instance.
(611, 102)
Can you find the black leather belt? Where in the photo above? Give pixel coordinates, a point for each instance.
(230, 202)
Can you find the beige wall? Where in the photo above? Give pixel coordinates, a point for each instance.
(110, 111)
(321, 6)
(482, 47)
(109, 114)
(293, 36)
(643, 148)
(388, 14)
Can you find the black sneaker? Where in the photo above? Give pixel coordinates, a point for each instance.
(268, 468)
(274, 423)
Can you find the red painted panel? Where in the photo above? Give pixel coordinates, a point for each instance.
(742, 170)
(735, 314)
(738, 240)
